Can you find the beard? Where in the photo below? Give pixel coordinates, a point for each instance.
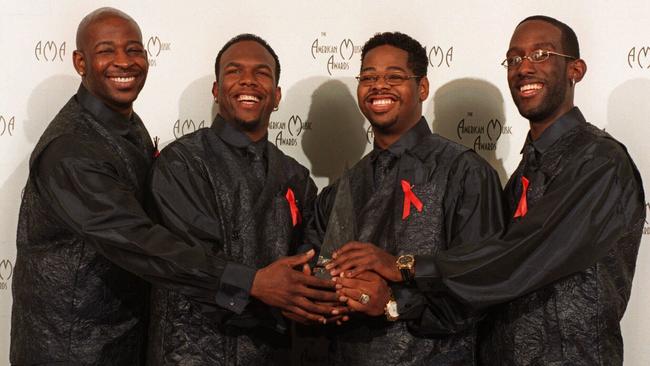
(549, 105)
(248, 125)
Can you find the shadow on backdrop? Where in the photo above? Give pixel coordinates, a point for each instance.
(471, 113)
(45, 101)
(627, 121)
(337, 138)
(196, 108)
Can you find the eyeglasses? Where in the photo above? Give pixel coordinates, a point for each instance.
(390, 79)
(536, 56)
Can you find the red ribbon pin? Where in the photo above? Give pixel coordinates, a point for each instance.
(522, 206)
(293, 207)
(409, 197)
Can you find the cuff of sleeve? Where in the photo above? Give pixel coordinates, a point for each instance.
(234, 290)
(427, 277)
(304, 248)
(409, 302)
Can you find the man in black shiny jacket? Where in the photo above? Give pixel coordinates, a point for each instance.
(416, 193)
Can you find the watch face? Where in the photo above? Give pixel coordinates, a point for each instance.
(405, 260)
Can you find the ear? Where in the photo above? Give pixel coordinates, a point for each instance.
(215, 90)
(423, 89)
(79, 62)
(278, 96)
(577, 69)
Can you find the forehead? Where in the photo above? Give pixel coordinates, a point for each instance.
(536, 34)
(247, 52)
(112, 29)
(385, 57)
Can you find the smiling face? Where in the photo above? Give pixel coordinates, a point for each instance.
(391, 109)
(542, 91)
(112, 61)
(246, 90)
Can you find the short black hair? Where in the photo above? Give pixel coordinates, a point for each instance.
(417, 55)
(248, 37)
(570, 44)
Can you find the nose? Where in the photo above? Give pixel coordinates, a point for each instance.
(247, 77)
(122, 59)
(380, 83)
(526, 66)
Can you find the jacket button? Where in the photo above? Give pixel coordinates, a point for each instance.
(235, 235)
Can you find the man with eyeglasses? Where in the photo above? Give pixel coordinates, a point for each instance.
(560, 275)
(416, 193)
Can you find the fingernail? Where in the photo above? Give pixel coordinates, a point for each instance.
(338, 286)
(324, 321)
(335, 312)
(342, 275)
(343, 299)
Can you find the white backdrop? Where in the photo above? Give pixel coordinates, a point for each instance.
(318, 123)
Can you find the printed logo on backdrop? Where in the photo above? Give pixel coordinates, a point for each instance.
(7, 124)
(440, 56)
(288, 131)
(483, 133)
(155, 48)
(6, 271)
(334, 54)
(50, 51)
(639, 57)
(183, 127)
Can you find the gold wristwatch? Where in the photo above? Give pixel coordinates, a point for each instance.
(391, 309)
(406, 264)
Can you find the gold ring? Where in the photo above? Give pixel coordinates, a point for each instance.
(364, 299)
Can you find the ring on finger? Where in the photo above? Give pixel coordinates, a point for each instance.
(364, 299)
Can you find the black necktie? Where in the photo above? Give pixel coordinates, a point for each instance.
(533, 173)
(256, 158)
(382, 166)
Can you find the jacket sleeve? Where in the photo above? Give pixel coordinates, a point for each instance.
(584, 212)
(87, 193)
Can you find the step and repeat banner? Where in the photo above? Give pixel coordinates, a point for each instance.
(318, 122)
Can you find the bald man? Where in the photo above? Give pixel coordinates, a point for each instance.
(84, 242)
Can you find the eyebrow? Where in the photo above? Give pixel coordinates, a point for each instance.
(392, 68)
(111, 43)
(238, 64)
(541, 45)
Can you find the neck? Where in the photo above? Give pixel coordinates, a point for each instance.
(385, 138)
(537, 128)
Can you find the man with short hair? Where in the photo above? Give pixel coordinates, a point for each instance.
(559, 277)
(579, 196)
(415, 193)
(229, 190)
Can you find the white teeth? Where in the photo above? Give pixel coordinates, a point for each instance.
(523, 88)
(250, 98)
(123, 80)
(382, 101)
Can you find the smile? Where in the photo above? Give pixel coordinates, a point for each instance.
(121, 79)
(248, 98)
(530, 89)
(382, 101)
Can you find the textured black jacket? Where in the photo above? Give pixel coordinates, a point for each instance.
(461, 198)
(83, 234)
(205, 192)
(575, 320)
